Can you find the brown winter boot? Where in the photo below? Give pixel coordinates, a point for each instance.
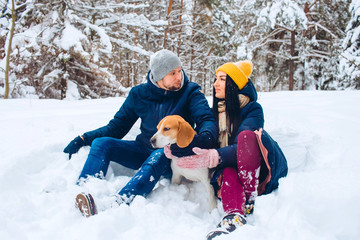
(85, 203)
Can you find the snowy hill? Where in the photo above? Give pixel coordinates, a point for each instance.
(318, 132)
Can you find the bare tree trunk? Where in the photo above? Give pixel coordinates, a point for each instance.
(135, 63)
(180, 27)
(121, 78)
(192, 57)
(128, 69)
(167, 18)
(93, 18)
(205, 65)
(7, 68)
(63, 81)
(291, 64)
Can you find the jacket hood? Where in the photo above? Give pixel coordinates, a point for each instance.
(250, 91)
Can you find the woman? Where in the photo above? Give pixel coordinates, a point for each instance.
(248, 161)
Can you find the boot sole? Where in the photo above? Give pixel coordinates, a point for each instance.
(216, 233)
(85, 203)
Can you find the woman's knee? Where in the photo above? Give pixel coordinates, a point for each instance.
(247, 144)
(246, 136)
(248, 151)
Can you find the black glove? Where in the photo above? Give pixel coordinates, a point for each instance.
(198, 141)
(74, 146)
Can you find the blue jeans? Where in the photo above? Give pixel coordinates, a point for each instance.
(132, 154)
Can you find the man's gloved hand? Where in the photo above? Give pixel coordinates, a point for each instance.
(74, 146)
(203, 158)
(186, 151)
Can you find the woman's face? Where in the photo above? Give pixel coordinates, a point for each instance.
(219, 85)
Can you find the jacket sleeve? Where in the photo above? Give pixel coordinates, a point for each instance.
(203, 117)
(252, 119)
(119, 126)
(206, 127)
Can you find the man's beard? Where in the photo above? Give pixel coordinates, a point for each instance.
(173, 88)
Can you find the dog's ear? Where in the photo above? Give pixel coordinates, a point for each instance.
(185, 135)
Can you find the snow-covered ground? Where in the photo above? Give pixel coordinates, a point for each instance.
(319, 199)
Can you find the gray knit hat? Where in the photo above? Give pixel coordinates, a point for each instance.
(161, 63)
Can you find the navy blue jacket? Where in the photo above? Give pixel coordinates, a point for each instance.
(252, 118)
(151, 103)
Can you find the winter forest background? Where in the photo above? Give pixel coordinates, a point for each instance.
(101, 48)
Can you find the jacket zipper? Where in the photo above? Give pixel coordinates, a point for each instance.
(161, 114)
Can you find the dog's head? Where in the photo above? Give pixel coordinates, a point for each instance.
(172, 129)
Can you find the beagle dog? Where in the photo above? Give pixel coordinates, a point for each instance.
(174, 129)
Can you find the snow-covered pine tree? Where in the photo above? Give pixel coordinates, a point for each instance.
(8, 28)
(198, 45)
(296, 40)
(86, 49)
(90, 49)
(50, 54)
(322, 43)
(278, 25)
(195, 47)
(113, 41)
(225, 38)
(138, 31)
(244, 15)
(173, 33)
(349, 67)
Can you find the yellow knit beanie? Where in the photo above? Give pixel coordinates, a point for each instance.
(239, 71)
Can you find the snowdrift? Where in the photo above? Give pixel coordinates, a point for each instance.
(318, 132)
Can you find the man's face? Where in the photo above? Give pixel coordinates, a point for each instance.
(172, 81)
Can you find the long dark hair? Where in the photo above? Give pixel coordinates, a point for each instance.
(232, 106)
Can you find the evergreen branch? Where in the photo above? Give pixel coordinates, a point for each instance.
(313, 4)
(315, 24)
(285, 28)
(266, 39)
(351, 61)
(321, 52)
(316, 56)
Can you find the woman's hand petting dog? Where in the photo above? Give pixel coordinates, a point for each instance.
(203, 158)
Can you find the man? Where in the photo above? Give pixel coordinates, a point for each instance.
(167, 92)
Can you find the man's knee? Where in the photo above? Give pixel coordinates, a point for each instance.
(107, 144)
(158, 163)
(101, 142)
